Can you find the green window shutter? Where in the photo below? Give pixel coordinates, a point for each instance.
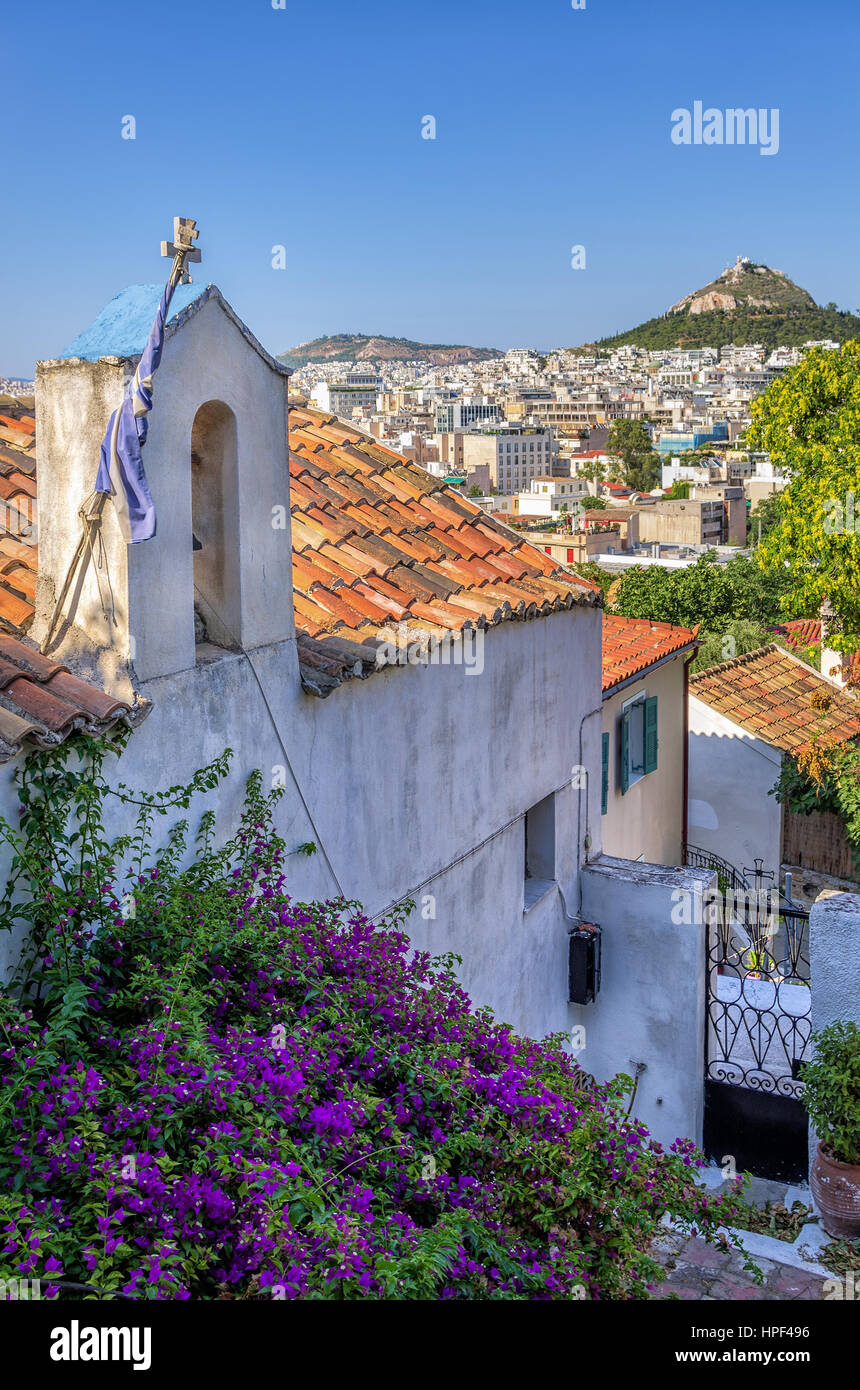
(625, 751)
(651, 734)
(604, 776)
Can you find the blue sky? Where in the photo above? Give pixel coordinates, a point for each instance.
(301, 127)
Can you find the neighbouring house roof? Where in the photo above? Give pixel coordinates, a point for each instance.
(780, 699)
(631, 646)
(806, 632)
(43, 702)
(18, 513)
(385, 552)
(802, 632)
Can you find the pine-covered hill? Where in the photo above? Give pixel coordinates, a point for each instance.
(771, 327)
(746, 303)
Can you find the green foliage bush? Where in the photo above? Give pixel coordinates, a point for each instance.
(706, 592)
(832, 1090)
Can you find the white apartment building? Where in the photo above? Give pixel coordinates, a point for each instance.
(465, 413)
(357, 391)
(547, 496)
(515, 454)
(522, 360)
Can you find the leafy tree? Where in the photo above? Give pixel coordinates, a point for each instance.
(590, 570)
(596, 504)
(474, 491)
(760, 595)
(768, 512)
(679, 491)
(739, 636)
(809, 421)
(593, 470)
(631, 443)
(785, 327)
(706, 592)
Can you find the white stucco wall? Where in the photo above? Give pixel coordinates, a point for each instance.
(834, 964)
(731, 773)
(651, 1005)
(399, 788)
(646, 821)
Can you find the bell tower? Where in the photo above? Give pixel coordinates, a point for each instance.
(216, 460)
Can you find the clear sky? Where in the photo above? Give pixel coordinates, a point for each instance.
(301, 127)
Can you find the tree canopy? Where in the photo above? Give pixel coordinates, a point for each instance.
(708, 593)
(630, 442)
(809, 422)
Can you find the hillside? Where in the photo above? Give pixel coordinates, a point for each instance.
(362, 347)
(746, 303)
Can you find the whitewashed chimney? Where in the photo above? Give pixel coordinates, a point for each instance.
(833, 663)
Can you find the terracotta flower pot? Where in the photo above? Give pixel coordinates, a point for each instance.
(836, 1189)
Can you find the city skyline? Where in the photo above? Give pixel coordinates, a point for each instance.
(545, 139)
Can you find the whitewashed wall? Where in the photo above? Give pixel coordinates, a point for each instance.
(730, 776)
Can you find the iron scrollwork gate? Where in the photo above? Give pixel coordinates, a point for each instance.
(758, 1026)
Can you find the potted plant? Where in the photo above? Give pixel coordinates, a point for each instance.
(832, 1100)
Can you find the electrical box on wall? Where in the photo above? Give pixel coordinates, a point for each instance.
(584, 948)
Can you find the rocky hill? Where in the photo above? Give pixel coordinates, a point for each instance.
(746, 303)
(362, 347)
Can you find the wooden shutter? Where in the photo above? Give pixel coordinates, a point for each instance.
(651, 734)
(604, 776)
(625, 751)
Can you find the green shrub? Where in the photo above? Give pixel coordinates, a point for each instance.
(832, 1094)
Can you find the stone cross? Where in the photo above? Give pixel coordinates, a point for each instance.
(182, 248)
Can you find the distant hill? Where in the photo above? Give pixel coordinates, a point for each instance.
(362, 347)
(747, 303)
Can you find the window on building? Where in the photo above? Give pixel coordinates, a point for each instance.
(638, 750)
(604, 774)
(539, 850)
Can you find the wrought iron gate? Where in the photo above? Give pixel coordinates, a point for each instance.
(758, 1025)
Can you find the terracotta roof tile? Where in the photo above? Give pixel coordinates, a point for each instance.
(41, 701)
(408, 559)
(780, 699)
(343, 563)
(806, 632)
(390, 606)
(15, 611)
(44, 702)
(632, 645)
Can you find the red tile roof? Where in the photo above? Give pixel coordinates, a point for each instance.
(806, 632)
(802, 632)
(780, 699)
(383, 553)
(18, 513)
(386, 553)
(632, 645)
(43, 702)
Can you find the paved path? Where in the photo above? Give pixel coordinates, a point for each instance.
(696, 1270)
